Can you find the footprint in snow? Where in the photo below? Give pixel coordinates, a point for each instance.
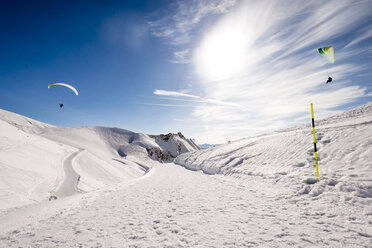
(311, 180)
(299, 165)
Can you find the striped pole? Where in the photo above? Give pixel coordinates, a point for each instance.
(315, 151)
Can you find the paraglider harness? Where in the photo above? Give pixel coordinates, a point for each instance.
(329, 80)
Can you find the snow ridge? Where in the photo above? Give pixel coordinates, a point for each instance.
(36, 158)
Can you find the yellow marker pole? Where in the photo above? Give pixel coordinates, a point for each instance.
(315, 151)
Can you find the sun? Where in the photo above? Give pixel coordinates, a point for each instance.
(221, 54)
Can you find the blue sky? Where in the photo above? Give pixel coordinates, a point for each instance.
(214, 70)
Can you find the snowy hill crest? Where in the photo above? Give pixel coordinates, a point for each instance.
(37, 159)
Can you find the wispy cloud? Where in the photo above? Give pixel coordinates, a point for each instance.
(271, 67)
(367, 34)
(167, 105)
(200, 99)
(181, 57)
(173, 93)
(178, 27)
(261, 56)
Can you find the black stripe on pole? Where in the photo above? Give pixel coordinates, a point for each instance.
(312, 120)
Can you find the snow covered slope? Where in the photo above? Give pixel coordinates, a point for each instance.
(344, 145)
(205, 146)
(36, 159)
(256, 192)
(30, 165)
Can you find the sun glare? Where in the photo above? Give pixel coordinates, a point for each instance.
(221, 54)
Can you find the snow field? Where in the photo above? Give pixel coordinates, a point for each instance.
(30, 166)
(344, 155)
(96, 173)
(255, 192)
(174, 207)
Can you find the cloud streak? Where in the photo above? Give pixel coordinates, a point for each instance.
(167, 105)
(177, 28)
(200, 99)
(173, 93)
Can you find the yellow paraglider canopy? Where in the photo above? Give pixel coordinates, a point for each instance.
(66, 85)
(328, 53)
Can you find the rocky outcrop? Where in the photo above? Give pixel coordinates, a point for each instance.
(159, 155)
(170, 146)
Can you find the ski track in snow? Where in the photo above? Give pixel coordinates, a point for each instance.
(69, 185)
(173, 207)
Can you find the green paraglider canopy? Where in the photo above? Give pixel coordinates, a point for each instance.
(328, 53)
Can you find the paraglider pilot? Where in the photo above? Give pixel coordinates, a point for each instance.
(329, 80)
(65, 85)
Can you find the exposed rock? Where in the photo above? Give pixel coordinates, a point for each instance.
(170, 146)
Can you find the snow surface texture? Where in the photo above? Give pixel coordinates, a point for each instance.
(205, 146)
(255, 192)
(40, 161)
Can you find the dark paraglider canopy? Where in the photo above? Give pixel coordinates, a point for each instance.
(329, 80)
(61, 105)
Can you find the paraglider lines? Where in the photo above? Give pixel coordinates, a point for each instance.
(65, 85)
(315, 151)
